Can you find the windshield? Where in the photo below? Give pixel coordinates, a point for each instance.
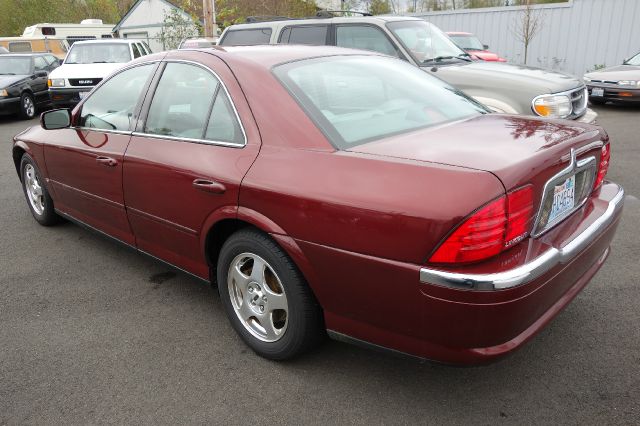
(467, 42)
(96, 53)
(12, 65)
(357, 99)
(635, 60)
(424, 41)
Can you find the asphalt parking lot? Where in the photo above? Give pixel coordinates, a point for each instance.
(91, 332)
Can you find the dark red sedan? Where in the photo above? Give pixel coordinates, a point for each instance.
(330, 189)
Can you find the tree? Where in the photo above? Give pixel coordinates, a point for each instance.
(175, 28)
(379, 7)
(528, 25)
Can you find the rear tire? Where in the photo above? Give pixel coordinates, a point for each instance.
(38, 198)
(27, 106)
(266, 297)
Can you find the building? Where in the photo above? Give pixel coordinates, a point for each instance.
(575, 36)
(145, 21)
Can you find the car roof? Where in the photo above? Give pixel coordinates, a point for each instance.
(458, 33)
(267, 56)
(106, 40)
(336, 20)
(4, 55)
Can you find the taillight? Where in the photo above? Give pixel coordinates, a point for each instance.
(603, 167)
(493, 228)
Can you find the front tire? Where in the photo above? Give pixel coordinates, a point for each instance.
(38, 198)
(266, 298)
(27, 106)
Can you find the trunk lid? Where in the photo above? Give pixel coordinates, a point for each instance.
(516, 149)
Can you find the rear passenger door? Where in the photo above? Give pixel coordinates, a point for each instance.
(187, 158)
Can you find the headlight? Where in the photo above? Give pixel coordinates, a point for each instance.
(56, 82)
(3, 93)
(629, 83)
(552, 106)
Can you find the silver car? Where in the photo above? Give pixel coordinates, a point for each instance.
(507, 88)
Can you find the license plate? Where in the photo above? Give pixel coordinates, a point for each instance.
(597, 91)
(82, 94)
(564, 198)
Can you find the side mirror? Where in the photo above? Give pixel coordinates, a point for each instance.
(41, 73)
(485, 46)
(56, 119)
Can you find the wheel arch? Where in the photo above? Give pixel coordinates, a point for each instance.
(19, 149)
(224, 222)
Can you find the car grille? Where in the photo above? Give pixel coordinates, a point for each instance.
(84, 81)
(604, 81)
(578, 101)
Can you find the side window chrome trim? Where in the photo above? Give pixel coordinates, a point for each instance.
(190, 140)
(203, 141)
(115, 132)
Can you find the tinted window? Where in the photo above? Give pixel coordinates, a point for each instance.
(142, 50)
(223, 125)
(247, 37)
(182, 102)
(112, 105)
(20, 46)
(314, 35)
(364, 37)
(136, 52)
(51, 59)
(40, 64)
(358, 99)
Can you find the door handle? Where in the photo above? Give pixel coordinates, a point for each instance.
(209, 186)
(107, 161)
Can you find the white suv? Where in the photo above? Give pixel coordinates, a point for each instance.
(86, 64)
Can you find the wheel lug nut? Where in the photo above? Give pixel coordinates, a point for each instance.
(264, 298)
(261, 308)
(250, 289)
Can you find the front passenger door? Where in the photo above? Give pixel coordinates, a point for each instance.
(85, 162)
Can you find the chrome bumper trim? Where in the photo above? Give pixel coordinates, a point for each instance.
(531, 270)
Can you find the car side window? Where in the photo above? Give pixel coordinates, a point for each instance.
(223, 124)
(141, 49)
(312, 35)
(136, 52)
(365, 37)
(182, 102)
(111, 106)
(247, 37)
(39, 64)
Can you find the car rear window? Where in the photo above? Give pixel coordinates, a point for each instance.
(358, 99)
(247, 37)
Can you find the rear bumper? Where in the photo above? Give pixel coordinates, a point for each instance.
(533, 269)
(69, 97)
(472, 315)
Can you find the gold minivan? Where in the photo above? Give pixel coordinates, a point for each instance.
(56, 46)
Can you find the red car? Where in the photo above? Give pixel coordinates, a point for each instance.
(470, 44)
(331, 189)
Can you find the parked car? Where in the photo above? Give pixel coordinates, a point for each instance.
(198, 42)
(470, 44)
(87, 63)
(375, 201)
(23, 82)
(512, 89)
(617, 84)
(38, 44)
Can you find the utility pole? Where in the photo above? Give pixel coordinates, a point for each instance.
(209, 12)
